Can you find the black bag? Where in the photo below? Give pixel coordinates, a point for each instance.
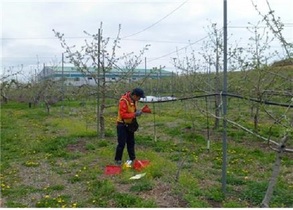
(133, 126)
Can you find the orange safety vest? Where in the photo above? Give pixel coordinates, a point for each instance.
(126, 111)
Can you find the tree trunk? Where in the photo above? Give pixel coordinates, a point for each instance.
(5, 99)
(47, 107)
(217, 112)
(255, 119)
(275, 174)
(103, 106)
(217, 90)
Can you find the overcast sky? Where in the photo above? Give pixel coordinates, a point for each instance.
(27, 37)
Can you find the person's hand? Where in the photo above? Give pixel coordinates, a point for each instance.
(138, 113)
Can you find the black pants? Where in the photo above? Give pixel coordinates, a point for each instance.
(124, 137)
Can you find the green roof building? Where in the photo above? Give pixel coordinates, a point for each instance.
(72, 76)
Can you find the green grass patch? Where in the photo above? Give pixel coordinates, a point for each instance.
(64, 160)
(123, 200)
(143, 185)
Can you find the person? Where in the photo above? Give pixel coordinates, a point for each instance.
(127, 112)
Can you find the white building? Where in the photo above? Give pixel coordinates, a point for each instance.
(74, 77)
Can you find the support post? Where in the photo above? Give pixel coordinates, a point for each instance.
(224, 146)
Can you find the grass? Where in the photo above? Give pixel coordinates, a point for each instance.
(57, 160)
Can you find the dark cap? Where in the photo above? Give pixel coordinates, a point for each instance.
(138, 92)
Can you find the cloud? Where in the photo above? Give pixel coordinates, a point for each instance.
(165, 24)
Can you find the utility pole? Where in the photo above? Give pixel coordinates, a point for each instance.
(98, 88)
(62, 107)
(145, 68)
